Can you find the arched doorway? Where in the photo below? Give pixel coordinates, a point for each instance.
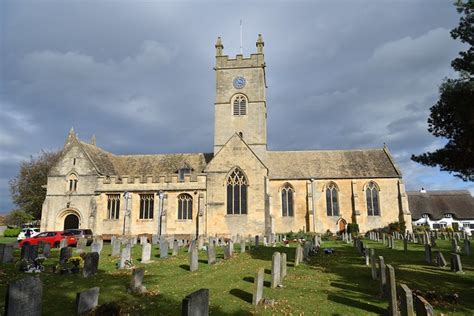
(341, 225)
(71, 221)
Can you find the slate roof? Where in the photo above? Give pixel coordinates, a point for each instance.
(437, 203)
(135, 165)
(332, 164)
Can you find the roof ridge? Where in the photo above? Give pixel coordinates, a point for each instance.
(323, 150)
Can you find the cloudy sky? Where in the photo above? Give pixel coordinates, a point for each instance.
(138, 75)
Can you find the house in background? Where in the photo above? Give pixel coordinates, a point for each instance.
(442, 209)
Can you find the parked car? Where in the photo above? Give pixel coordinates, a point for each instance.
(32, 231)
(82, 233)
(53, 238)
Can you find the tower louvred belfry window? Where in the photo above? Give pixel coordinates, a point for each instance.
(240, 106)
(237, 193)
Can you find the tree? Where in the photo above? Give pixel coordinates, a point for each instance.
(17, 218)
(27, 188)
(452, 117)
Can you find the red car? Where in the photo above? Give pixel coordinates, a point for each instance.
(53, 238)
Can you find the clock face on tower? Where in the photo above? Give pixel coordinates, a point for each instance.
(239, 82)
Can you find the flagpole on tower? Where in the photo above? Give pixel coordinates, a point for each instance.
(241, 48)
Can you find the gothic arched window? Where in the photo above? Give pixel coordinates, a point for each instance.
(185, 206)
(332, 202)
(237, 192)
(72, 182)
(239, 105)
(287, 194)
(372, 197)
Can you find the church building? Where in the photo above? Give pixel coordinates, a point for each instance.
(242, 187)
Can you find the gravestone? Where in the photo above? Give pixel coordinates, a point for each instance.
(257, 240)
(406, 301)
(297, 255)
(283, 267)
(81, 245)
(440, 261)
(382, 276)
(373, 264)
(211, 253)
(91, 264)
(155, 239)
(193, 259)
(228, 250)
(258, 286)
(6, 254)
(422, 307)
(112, 239)
(433, 241)
(428, 256)
(175, 248)
(306, 249)
(26, 252)
(383, 239)
(146, 253)
(391, 291)
(242, 246)
(64, 254)
(163, 249)
(143, 240)
(87, 300)
(96, 246)
(125, 256)
(276, 265)
(367, 257)
(454, 245)
(116, 247)
(136, 283)
(47, 250)
(24, 297)
(63, 243)
(456, 265)
(467, 247)
(196, 304)
(405, 244)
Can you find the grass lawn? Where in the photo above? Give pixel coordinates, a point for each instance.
(338, 284)
(7, 240)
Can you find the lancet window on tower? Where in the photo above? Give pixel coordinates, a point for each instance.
(240, 106)
(237, 192)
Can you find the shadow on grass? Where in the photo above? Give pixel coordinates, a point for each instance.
(246, 296)
(185, 267)
(356, 304)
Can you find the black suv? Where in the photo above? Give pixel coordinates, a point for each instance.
(82, 233)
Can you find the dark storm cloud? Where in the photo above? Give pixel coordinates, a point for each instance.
(139, 75)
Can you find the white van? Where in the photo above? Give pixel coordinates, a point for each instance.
(33, 233)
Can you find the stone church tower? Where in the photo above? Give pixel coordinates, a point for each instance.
(240, 82)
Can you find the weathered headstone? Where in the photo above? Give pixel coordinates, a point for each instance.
(456, 265)
(373, 264)
(116, 247)
(63, 243)
(155, 239)
(146, 253)
(297, 255)
(228, 250)
(405, 244)
(91, 264)
(47, 250)
(211, 253)
(276, 265)
(467, 247)
(24, 297)
(143, 240)
(193, 259)
(196, 304)
(257, 241)
(428, 255)
(163, 249)
(125, 256)
(406, 301)
(136, 283)
(391, 291)
(87, 300)
(258, 286)
(242, 246)
(175, 248)
(422, 307)
(96, 246)
(81, 245)
(306, 249)
(7, 254)
(454, 245)
(440, 261)
(283, 267)
(382, 276)
(64, 254)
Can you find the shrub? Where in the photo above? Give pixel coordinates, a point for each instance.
(11, 232)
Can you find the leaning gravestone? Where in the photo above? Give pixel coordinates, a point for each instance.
(24, 297)
(391, 291)
(7, 256)
(196, 304)
(163, 249)
(439, 260)
(193, 259)
(422, 307)
(87, 300)
(406, 301)
(116, 247)
(456, 265)
(91, 264)
(258, 286)
(146, 253)
(136, 283)
(276, 265)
